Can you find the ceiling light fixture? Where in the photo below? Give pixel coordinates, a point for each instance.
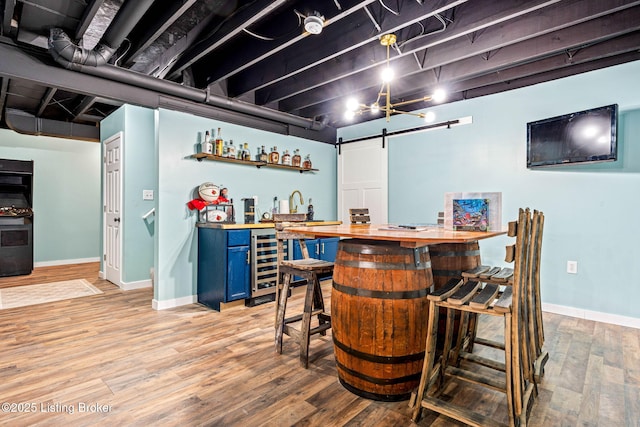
(313, 23)
(354, 107)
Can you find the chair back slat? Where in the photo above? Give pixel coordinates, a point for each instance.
(359, 216)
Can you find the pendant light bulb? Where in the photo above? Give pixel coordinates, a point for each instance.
(352, 104)
(429, 117)
(387, 74)
(439, 95)
(375, 108)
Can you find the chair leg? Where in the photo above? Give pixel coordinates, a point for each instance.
(429, 360)
(282, 306)
(318, 302)
(312, 282)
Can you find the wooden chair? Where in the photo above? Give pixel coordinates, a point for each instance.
(311, 270)
(359, 216)
(469, 297)
(504, 276)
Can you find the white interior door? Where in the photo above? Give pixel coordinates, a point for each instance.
(112, 207)
(363, 179)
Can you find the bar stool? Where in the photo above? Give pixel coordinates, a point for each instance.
(311, 270)
(504, 276)
(519, 383)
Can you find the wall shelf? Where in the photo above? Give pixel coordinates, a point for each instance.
(204, 156)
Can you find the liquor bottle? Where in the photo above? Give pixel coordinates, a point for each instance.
(286, 158)
(246, 154)
(258, 152)
(219, 144)
(231, 151)
(296, 159)
(206, 146)
(274, 156)
(307, 162)
(225, 149)
(263, 155)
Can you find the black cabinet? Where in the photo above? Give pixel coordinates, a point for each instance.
(223, 266)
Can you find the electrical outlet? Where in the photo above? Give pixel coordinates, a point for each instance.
(572, 267)
(147, 194)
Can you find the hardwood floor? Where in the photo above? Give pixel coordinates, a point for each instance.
(193, 366)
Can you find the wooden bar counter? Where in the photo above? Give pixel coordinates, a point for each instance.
(379, 304)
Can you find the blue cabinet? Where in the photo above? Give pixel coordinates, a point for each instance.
(324, 249)
(223, 266)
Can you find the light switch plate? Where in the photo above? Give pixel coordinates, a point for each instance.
(147, 194)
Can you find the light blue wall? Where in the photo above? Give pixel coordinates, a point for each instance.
(66, 194)
(590, 209)
(139, 172)
(178, 135)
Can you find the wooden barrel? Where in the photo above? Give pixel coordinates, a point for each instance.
(448, 261)
(379, 311)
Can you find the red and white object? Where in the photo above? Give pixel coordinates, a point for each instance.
(208, 191)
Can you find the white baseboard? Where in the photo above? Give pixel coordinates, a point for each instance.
(615, 319)
(128, 286)
(101, 275)
(176, 302)
(65, 262)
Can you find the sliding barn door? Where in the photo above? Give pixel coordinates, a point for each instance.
(363, 179)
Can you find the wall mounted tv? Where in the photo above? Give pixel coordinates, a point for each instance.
(585, 136)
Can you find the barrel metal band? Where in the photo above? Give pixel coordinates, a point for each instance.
(380, 381)
(387, 360)
(382, 265)
(362, 248)
(474, 252)
(368, 293)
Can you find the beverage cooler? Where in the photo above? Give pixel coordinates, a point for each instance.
(16, 217)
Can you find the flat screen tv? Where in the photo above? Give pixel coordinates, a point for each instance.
(585, 136)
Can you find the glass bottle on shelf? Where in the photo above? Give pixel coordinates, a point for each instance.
(307, 162)
(274, 156)
(206, 146)
(263, 155)
(246, 154)
(258, 154)
(286, 158)
(239, 154)
(219, 144)
(225, 149)
(296, 159)
(231, 151)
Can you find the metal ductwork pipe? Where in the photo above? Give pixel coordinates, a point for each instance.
(72, 56)
(94, 62)
(24, 123)
(166, 87)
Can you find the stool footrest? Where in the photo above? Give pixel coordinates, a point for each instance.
(319, 329)
(298, 317)
(489, 363)
(473, 377)
(459, 413)
(489, 343)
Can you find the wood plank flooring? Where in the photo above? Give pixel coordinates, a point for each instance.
(191, 366)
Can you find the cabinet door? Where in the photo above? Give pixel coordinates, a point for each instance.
(313, 246)
(329, 248)
(238, 273)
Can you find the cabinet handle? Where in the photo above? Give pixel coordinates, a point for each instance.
(317, 248)
(248, 257)
(322, 248)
